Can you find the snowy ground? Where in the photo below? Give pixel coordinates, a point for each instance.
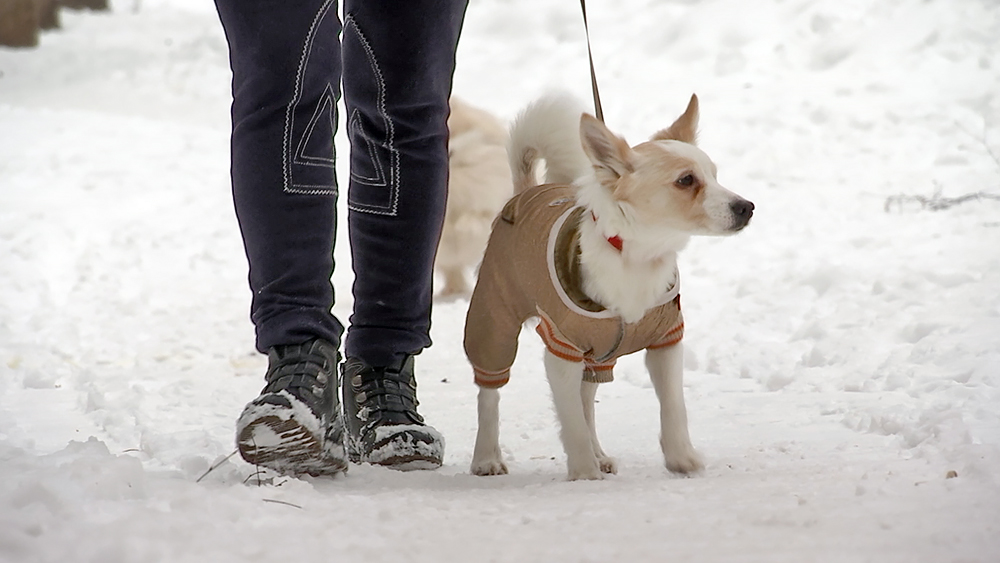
(843, 360)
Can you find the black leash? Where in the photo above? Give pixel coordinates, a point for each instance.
(599, 112)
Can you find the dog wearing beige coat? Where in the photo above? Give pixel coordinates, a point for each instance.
(592, 254)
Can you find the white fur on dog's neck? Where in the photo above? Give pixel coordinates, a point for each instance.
(632, 281)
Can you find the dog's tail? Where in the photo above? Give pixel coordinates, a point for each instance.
(548, 129)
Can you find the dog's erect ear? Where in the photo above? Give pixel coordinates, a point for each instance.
(685, 128)
(609, 153)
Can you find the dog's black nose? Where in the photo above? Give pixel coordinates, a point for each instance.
(742, 212)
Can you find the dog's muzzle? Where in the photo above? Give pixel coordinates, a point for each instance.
(742, 211)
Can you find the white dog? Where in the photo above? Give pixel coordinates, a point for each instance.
(479, 184)
(593, 255)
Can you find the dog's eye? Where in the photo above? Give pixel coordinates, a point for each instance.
(686, 181)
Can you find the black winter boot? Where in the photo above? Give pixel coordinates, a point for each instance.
(380, 404)
(295, 426)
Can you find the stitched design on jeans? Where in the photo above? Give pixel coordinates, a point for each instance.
(375, 176)
(321, 123)
(376, 186)
(287, 158)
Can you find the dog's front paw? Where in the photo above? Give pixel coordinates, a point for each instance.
(608, 464)
(584, 476)
(683, 460)
(489, 467)
(589, 471)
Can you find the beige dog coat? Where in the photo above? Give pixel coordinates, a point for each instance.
(531, 268)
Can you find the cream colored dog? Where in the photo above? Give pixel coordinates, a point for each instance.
(593, 255)
(479, 183)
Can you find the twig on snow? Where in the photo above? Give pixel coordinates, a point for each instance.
(256, 473)
(215, 466)
(275, 501)
(982, 139)
(937, 202)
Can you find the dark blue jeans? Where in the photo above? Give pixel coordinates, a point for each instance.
(395, 59)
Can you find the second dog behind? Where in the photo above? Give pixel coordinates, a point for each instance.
(479, 184)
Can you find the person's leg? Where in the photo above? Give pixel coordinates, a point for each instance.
(399, 58)
(286, 66)
(286, 63)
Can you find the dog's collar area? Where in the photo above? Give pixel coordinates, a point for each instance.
(563, 257)
(673, 292)
(615, 241)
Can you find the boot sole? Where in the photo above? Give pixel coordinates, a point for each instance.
(403, 456)
(285, 446)
(413, 462)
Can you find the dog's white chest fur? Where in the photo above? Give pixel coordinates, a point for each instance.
(629, 281)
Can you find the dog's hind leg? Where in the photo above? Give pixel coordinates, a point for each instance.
(565, 379)
(454, 281)
(666, 369)
(486, 457)
(588, 392)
